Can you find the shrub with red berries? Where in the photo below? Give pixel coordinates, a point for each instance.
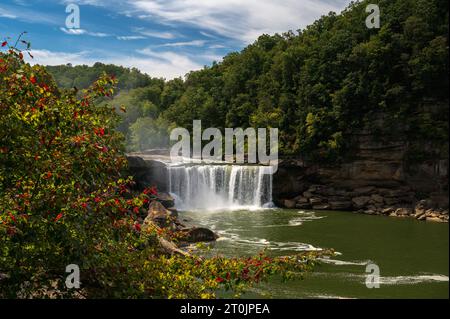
(65, 198)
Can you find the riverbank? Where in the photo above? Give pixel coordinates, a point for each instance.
(371, 200)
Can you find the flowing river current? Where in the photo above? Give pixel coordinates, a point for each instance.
(413, 256)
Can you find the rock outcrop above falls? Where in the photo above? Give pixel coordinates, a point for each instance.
(149, 170)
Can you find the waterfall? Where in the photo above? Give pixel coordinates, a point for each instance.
(216, 187)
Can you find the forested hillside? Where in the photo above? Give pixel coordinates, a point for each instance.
(82, 76)
(316, 85)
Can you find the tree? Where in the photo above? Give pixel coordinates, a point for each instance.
(148, 133)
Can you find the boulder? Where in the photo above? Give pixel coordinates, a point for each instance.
(422, 217)
(166, 200)
(337, 198)
(435, 219)
(377, 199)
(173, 212)
(301, 200)
(303, 205)
(393, 214)
(289, 203)
(387, 210)
(391, 201)
(361, 201)
(199, 234)
(341, 193)
(367, 190)
(159, 214)
(341, 205)
(316, 200)
(404, 211)
(308, 194)
(148, 172)
(396, 193)
(370, 212)
(424, 204)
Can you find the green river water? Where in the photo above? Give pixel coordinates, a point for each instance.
(413, 256)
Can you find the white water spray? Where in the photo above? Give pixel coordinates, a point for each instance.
(217, 187)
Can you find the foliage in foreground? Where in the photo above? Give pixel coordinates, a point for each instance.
(64, 199)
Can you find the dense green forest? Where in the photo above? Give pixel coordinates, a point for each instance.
(317, 85)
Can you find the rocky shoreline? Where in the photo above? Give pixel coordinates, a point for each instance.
(371, 200)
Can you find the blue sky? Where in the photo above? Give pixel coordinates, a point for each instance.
(164, 38)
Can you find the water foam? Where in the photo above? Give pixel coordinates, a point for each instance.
(221, 187)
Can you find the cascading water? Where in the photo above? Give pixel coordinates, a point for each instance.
(216, 187)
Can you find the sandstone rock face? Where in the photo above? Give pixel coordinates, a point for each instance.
(376, 198)
(379, 176)
(342, 205)
(361, 201)
(375, 201)
(301, 200)
(316, 200)
(368, 190)
(148, 172)
(287, 182)
(377, 179)
(303, 205)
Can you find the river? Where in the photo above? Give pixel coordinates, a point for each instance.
(413, 256)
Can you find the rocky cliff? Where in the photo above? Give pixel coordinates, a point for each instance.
(379, 177)
(148, 171)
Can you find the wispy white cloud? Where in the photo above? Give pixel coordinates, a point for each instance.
(172, 64)
(27, 14)
(83, 31)
(160, 66)
(73, 31)
(217, 46)
(21, 2)
(206, 34)
(97, 3)
(130, 37)
(155, 34)
(211, 57)
(193, 43)
(237, 19)
(6, 14)
(46, 57)
(165, 64)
